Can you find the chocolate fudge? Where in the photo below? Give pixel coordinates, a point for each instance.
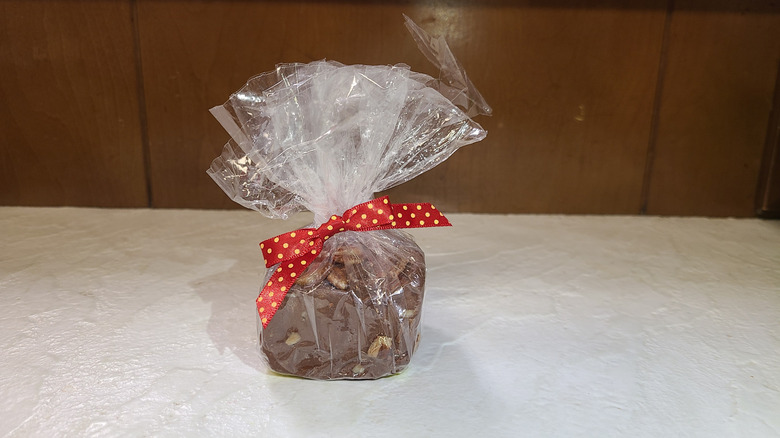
(354, 313)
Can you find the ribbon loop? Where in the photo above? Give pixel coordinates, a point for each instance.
(294, 251)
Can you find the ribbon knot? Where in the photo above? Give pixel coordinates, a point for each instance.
(294, 251)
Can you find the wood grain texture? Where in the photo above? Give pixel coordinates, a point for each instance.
(716, 100)
(571, 88)
(68, 94)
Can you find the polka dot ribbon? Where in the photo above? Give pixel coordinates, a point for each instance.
(295, 250)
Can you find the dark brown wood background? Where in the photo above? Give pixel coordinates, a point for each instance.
(601, 107)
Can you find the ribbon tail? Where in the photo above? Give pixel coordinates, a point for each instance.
(284, 277)
(418, 215)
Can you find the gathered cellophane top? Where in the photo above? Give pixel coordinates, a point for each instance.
(325, 137)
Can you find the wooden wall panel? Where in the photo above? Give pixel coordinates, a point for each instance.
(573, 85)
(714, 112)
(571, 88)
(70, 128)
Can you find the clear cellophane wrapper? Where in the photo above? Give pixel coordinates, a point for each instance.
(325, 137)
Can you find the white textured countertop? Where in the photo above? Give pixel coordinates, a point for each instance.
(141, 323)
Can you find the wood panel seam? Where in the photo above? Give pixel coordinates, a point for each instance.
(656, 112)
(142, 113)
(769, 159)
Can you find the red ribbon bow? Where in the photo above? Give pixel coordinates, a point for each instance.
(295, 250)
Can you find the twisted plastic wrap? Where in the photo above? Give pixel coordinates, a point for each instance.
(324, 137)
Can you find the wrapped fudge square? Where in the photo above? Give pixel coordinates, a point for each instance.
(343, 297)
